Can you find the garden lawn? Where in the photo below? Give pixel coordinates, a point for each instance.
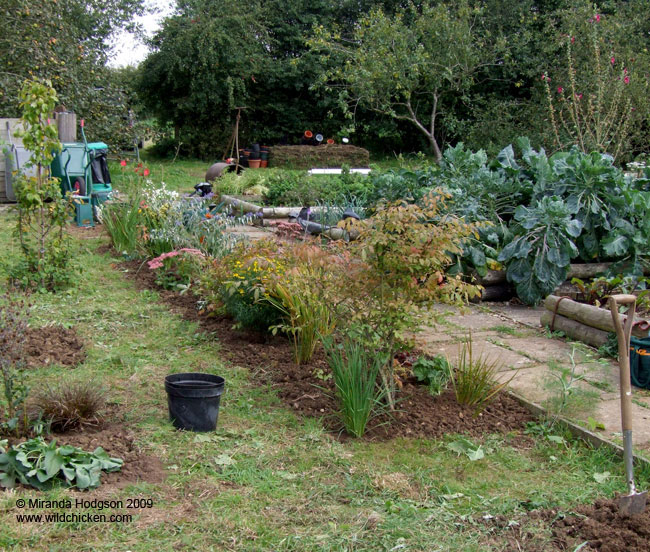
(267, 479)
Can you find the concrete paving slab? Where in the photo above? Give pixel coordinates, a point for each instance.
(520, 313)
(475, 321)
(540, 348)
(609, 414)
(528, 382)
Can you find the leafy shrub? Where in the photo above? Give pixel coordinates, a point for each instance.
(13, 325)
(355, 371)
(401, 253)
(39, 464)
(433, 372)
(474, 378)
(67, 406)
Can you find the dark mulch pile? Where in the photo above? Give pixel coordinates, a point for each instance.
(594, 527)
(53, 345)
(307, 157)
(271, 359)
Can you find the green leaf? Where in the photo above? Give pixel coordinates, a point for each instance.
(506, 159)
(573, 228)
(602, 477)
(52, 462)
(615, 246)
(223, 460)
(83, 478)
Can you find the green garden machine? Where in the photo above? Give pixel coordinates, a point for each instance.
(83, 170)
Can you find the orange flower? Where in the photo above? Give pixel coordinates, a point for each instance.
(208, 216)
(201, 239)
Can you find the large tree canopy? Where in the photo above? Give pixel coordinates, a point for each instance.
(65, 41)
(415, 65)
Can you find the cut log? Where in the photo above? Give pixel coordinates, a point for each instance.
(492, 278)
(589, 315)
(575, 330)
(499, 292)
(584, 271)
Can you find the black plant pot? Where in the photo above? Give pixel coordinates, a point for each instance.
(193, 399)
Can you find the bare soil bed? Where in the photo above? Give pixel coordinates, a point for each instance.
(271, 359)
(53, 345)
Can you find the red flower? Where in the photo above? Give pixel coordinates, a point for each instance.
(613, 60)
(578, 96)
(626, 79)
(208, 216)
(146, 172)
(123, 162)
(597, 18)
(560, 90)
(573, 39)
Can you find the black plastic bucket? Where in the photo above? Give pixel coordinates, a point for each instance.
(193, 399)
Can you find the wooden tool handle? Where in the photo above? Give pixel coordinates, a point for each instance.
(623, 337)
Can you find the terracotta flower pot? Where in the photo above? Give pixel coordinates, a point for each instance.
(264, 163)
(309, 134)
(254, 163)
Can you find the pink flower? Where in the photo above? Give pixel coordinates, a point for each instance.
(146, 172)
(543, 76)
(597, 18)
(613, 60)
(560, 90)
(578, 96)
(626, 79)
(123, 162)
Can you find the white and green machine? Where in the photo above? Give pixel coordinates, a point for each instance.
(83, 170)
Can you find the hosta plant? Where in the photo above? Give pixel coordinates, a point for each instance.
(38, 464)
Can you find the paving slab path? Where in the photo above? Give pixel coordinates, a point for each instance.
(538, 365)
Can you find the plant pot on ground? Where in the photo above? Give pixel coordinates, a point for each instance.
(194, 399)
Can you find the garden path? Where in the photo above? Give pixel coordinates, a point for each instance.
(534, 363)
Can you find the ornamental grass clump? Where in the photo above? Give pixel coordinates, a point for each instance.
(66, 406)
(474, 379)
(355, 371)
(299, 296)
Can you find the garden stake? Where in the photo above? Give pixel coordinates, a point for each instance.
(633, 502)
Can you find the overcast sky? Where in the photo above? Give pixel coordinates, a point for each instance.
(127, 49)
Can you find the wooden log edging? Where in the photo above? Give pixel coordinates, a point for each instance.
(576, 430)
(574, 329)
(578, 270)
(588, 315)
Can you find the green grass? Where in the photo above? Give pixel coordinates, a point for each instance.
(268, 479)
